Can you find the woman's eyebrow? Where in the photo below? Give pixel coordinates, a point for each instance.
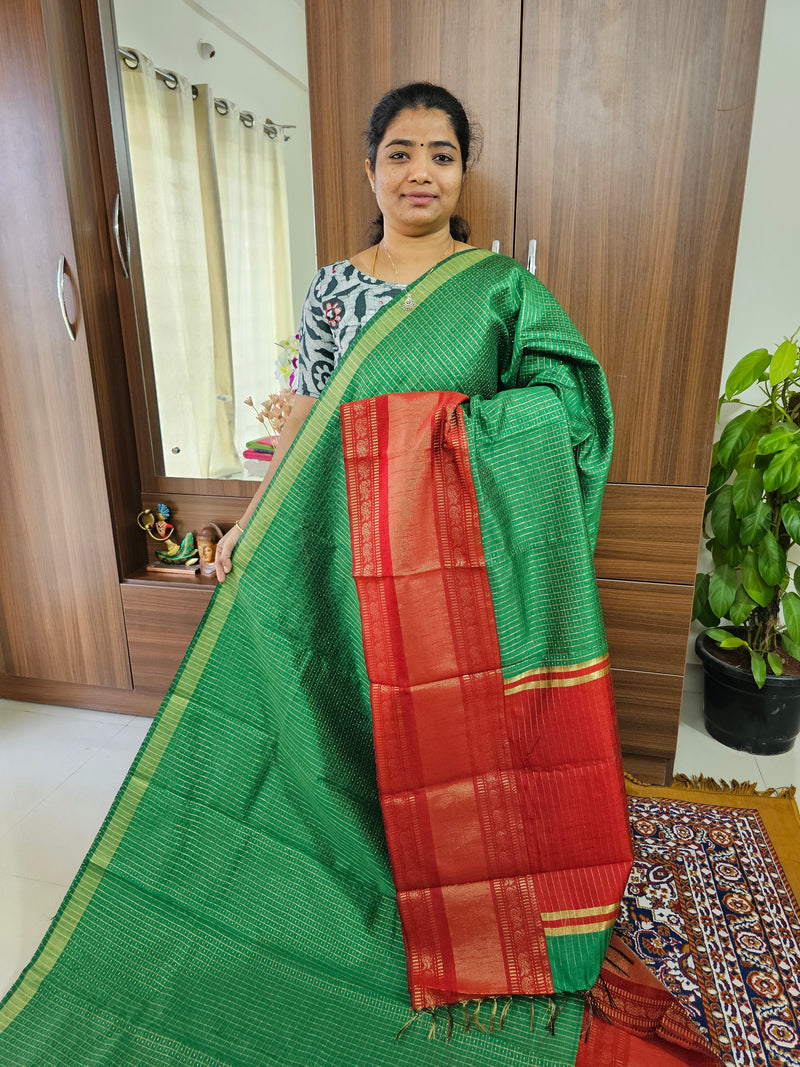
(408, 142)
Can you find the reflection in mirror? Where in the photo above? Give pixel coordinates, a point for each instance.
(218, 133)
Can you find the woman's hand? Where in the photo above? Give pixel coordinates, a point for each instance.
(225, 546)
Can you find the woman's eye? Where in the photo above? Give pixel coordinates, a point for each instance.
(399, 155)
(442, 157)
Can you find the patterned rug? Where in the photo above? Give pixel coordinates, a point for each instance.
(711, 909)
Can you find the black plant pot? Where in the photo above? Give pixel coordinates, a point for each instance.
(739, 714)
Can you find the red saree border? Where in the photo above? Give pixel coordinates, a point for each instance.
(473, 833)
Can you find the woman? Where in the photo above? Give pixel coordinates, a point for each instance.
(415, 589)
(418, 142)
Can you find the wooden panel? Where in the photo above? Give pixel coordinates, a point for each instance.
(647, 769)
(648, 711)
(647, 625)
(72, 695)
(61, 612)
(67, 52)
(634, 133)
(359, 50)
(161, 621)
(650, 533)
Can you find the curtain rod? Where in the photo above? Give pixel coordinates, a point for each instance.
(170, 79)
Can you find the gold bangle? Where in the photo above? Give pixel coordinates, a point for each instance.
(238, 527)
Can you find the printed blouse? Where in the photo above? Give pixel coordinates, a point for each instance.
(340, 301)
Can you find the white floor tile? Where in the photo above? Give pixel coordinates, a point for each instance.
(39, 751)
(26, 910)
(49, 843)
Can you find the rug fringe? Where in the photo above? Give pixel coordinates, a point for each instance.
(701, 783)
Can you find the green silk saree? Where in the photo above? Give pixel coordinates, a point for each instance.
(239, 905)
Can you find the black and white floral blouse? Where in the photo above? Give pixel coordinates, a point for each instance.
(340, 301)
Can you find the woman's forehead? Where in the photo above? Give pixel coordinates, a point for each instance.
(421, 125)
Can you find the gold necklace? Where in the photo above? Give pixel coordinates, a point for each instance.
(382, 245)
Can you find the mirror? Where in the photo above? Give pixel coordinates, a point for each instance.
(220, 219)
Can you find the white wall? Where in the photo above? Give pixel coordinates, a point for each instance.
(765, 304)
(252, 38)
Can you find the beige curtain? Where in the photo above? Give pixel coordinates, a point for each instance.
(251, 189)
(170, 218)
(212, 216)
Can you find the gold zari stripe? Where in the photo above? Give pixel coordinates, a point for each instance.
(579, 913)
(581, 928)
(556, 683)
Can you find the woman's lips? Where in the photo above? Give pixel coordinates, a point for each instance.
(421, 199)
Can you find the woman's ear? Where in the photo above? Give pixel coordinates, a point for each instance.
(370, 175)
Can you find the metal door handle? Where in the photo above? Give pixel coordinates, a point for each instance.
(61, 303)
(123, 260)
(532, 256)
(495, 246)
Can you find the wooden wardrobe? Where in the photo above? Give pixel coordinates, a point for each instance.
(615, 135)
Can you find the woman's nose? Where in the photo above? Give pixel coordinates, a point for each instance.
(420, 170)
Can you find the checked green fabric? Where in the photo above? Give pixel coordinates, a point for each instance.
(237, 907)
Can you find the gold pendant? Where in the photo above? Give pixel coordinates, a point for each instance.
(409, 304)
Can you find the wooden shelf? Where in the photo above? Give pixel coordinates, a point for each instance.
(181, 578)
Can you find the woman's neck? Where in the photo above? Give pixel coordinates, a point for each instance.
(403, 258)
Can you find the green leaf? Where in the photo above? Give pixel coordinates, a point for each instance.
(722, 589)
(700, 609)
(771, 559)
(754, 584)
(724, 524)
(736, 554)
(735, 437)
(791, 475)
(755, 525)
(782, 464)
(733, 642)
(791, 613)
(776, 440)
(747, 490)
(775, 663)
(742, 607)
(717, 477)
(790, 517)
(790, 647)
(783, 362)
(718, 635)
(747, 372)
(759, 668)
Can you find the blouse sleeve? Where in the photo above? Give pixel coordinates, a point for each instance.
(315, 357)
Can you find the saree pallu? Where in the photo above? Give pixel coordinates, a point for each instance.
(237, 906)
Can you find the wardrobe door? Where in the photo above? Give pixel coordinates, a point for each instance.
(359, 50)
(634, 131)
(60, 605)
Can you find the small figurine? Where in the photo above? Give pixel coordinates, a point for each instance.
(155, 524)
(207, 540)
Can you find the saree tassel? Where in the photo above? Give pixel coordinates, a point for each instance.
(533, 1012)
(555, 1011)
(407, 1026)
(476, 1018)
(449, 1023)
(465, 1020)
(504, 1013)
(432, 1029)
(493, 1016)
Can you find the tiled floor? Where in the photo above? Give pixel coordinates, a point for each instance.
(60, 769)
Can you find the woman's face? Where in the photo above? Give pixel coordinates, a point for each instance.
(418, 172)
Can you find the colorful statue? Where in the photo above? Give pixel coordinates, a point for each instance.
(207, 540)
(154, 523)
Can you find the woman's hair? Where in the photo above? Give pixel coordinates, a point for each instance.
(419, 95)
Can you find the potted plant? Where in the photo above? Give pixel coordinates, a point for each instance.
(752, 521)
